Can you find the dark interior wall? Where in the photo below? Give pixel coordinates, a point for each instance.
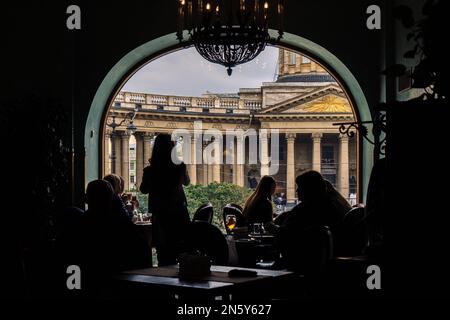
(50, 76)
(49, 61)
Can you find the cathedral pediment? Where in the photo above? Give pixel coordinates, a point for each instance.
(327, 104)
(330, 99)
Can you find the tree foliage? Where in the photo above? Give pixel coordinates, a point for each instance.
(218, 194)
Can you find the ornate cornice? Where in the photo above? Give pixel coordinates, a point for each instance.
(291, 136)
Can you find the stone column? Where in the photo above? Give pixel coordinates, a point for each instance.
(147, 141)
(107, 159)
(218, 158)
(193, 165)
(264, 152)
(240, 158)
(317, 157)
(233, 151)
(210, 173)
(290, 168)
(343, 180)
(205, 164)
(117, 153)
(125, 139)
(139, 157)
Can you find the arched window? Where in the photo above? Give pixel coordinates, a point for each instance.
(292, 58)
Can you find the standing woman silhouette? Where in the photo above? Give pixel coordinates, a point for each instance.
(163, 181)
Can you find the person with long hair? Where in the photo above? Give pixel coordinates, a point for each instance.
(341, 204)
(258, 207)
(163, 181)
(118, 206)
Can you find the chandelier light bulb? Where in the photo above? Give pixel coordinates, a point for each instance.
(228, 37)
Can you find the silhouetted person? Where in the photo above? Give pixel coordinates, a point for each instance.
(376, 202)
(118, 206)
(314, 210)
(163, 181)
(122, 185)
(111, 242)
(337, 200)
(252, 182)
(258, 207)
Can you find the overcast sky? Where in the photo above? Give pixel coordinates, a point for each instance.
(186, 73)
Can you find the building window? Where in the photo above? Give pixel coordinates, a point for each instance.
(283, 150)
(138, 106)
(306, 60)
(160, 108)
(183, 109)
(205, 110)
(229, 110)
(132, 180)
(117, 104)
(352, 185)
(132, 166)
(292, 58)
(327, 154)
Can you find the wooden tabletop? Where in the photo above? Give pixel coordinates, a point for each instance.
(166, 277)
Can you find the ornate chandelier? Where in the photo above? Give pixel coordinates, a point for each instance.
(229, 32)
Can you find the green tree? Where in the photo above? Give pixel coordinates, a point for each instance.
(218, 194)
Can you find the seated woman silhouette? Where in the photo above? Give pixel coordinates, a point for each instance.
(118, 206)
(341, 204)
(314, 210)
(258, 207)
(110, 241)
(163, 181)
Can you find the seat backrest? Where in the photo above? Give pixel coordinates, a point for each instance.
(354, 217)
(232, 209)
(204, 213)
(352, 237)
(236, 206)
(209, 240)
(311, 252)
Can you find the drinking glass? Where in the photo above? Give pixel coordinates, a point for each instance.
(230, 221)
(257, 229)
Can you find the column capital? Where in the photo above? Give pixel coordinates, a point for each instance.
(139, 134)
(148, 135)
(343, 137)
(291, 136)
(125, 135)
(108, 132)
(264, 135)
(316, 135)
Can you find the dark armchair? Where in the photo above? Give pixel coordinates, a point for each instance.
(204, 213)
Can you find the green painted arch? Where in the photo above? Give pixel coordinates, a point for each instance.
(138, 57)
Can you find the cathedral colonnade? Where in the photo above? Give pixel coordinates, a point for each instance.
(232, 164)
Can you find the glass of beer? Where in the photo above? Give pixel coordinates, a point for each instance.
(230, 221)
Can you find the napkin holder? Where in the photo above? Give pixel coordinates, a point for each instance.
(194, 266)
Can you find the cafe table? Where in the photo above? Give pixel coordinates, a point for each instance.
(144, 231)
(205, 288)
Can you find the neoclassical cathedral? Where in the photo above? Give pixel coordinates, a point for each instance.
(302, 105)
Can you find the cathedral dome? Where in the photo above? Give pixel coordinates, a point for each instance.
(293, 67)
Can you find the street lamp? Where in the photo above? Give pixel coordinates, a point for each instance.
(131, 130)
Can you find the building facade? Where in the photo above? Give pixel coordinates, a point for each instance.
(299, 110)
